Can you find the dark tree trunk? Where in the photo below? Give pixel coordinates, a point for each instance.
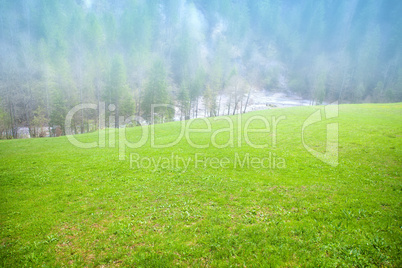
(248, 97)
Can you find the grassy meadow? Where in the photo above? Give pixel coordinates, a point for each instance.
(61, 205)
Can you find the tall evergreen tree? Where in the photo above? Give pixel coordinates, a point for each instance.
(117, 88)
(156, 93)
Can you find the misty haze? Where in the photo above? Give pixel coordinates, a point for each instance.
(216, 133)
(208, 58)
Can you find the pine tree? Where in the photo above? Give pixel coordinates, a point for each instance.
(196, 88)
(155, 92)
(184, 101)
(59, 112)
(4, 123)
(117, 88)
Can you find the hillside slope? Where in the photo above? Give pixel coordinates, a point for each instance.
(180, 205)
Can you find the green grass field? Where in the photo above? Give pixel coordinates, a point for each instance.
(65, 206)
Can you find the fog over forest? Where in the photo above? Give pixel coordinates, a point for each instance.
(189, 53)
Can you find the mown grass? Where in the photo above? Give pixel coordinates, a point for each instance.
(65, 206)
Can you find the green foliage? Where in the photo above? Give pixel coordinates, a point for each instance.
(197, 84)
(127, 106)
(59, 111)
(71, 46)
(183, 55)
(116, 91)
(184, 101)
(209, 98)
(93, 33)
(156, 92)
(40, 121)
(4, 123)
(358, 92)
(320, 88)
(117, 81)
(271, 82)
(298, 85)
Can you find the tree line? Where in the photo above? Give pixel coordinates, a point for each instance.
(189, 53)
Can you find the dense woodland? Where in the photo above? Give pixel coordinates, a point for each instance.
(57, 54)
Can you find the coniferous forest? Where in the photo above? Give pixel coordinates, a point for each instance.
(134, 53)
